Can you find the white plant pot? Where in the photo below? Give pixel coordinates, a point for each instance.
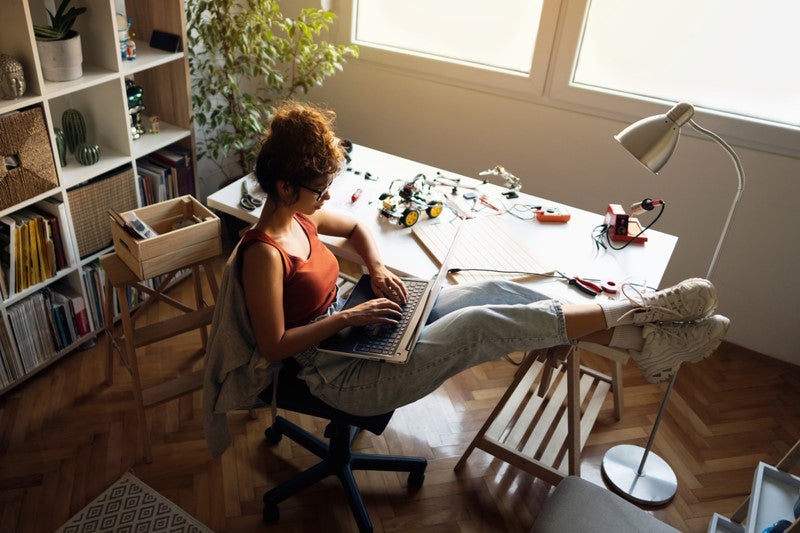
(61, 60)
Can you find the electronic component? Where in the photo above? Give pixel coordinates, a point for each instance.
(616, 220)
(552, 214)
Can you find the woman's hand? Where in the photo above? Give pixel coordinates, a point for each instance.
(377, 311)
(387, 284)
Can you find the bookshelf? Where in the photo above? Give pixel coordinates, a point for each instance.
(100, 94)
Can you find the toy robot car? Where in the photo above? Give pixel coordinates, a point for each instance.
(406, 206)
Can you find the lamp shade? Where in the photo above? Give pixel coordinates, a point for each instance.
(653, 139)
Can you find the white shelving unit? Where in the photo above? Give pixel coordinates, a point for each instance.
(100, 95)
(772, 498)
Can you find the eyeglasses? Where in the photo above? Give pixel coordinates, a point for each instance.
(320, 192)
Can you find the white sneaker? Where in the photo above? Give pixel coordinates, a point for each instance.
(691, 299)
(666, 346)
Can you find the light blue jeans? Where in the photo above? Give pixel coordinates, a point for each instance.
(469, 325)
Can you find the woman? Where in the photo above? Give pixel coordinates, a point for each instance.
(288, 278)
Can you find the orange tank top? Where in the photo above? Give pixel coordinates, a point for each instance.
(309, 285)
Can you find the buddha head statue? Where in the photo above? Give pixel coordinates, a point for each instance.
(12, 78)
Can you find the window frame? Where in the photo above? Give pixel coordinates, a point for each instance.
(462, 73)
(746, 131)
(550, 80)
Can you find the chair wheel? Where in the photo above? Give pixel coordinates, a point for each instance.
(273, 435)
(416, 478)
(270, 513)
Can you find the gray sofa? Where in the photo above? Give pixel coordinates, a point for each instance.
(580, 506)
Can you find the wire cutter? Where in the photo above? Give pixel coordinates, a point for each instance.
(586, 287)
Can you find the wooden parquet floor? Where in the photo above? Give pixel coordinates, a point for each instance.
(65, 436)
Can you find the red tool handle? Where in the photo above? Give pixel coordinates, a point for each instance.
(595, 287)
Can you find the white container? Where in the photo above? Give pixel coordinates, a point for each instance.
(61, 60)
(721, 524)
(772, 497)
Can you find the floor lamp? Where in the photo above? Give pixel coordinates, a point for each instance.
(652, 141)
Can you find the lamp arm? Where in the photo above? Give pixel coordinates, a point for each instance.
(740, 173)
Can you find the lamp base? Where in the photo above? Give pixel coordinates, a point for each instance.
(657, 484)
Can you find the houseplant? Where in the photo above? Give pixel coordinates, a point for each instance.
(59, 45)
(245, 55)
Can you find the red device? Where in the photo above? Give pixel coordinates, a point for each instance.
(622, 227)
(552, 214)
(617, 221)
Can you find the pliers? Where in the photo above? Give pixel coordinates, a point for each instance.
(587, 287)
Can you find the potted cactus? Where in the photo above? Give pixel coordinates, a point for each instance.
(59, 45)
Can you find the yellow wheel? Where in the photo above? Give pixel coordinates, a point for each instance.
(434, 209)
(409, 218)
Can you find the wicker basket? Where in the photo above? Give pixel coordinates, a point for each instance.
(24, 136)
(89, 205)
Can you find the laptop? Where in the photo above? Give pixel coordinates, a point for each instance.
(387, 342)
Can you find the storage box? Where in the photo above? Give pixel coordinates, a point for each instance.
(89, 204)
(24, 139)
(187, 233)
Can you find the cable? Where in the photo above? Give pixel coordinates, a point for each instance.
(558, 274)
(602, 230)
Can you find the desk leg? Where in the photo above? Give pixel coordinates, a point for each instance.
(130, 349)
(574, 411)
(212, 280)
(527, 361)
(198, 298)
(616, 376)
(108, 323)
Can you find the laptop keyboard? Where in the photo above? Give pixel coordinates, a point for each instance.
(385, 339)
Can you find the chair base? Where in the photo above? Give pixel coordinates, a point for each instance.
(338, 460)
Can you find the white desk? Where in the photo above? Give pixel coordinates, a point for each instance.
(566, 247)
(509, 433)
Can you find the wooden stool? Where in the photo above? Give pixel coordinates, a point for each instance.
(531, 424)
(119, 277)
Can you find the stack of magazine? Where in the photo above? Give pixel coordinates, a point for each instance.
(44, 324)
(165, 174)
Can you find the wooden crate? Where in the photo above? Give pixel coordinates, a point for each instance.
(187, 233)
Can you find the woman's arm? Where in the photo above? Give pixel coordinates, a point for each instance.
(384, 282)
(262, 279)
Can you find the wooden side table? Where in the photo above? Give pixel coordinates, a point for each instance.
(539, 416)
(118, 278)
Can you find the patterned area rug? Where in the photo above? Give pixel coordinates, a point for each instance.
(129, 505)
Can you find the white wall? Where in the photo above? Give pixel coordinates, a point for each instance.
(572, 158)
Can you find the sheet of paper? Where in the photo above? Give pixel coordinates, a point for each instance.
(483, 244)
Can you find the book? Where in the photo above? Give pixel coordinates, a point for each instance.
(56, 207)
(95, 314)
(185, 174)
(157, 176)
(3, 288)
(8, 252)
(176, 162)
(55, 243)
(77, 307)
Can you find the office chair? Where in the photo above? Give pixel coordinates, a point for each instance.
(337, 457)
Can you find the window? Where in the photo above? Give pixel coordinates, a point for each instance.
(495, 35)
(623, 59)
(728, 55)
(504, 46)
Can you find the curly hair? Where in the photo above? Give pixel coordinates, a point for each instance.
(300, 148)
